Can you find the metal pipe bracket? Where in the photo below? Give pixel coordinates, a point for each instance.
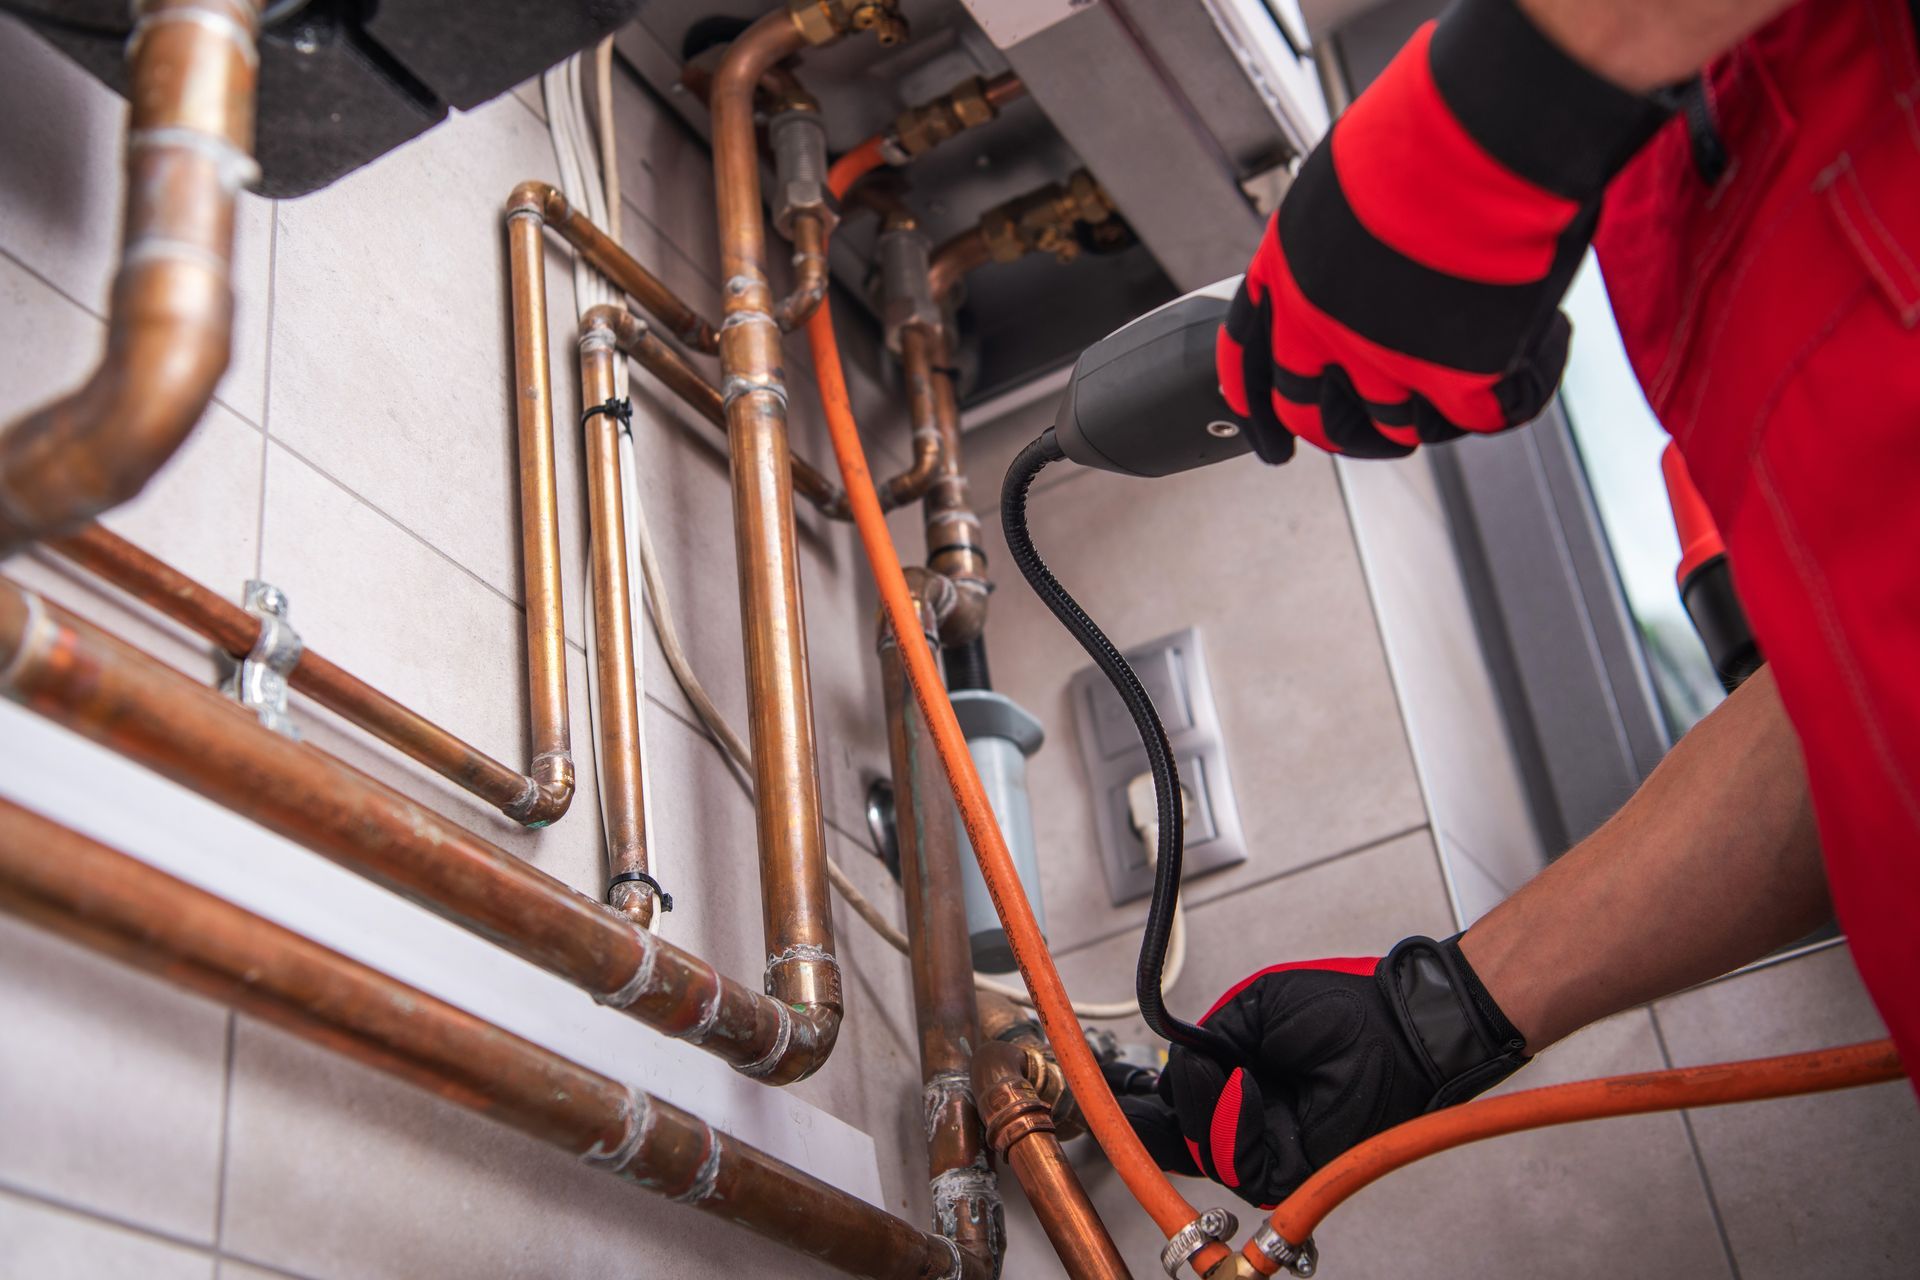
(259, 680)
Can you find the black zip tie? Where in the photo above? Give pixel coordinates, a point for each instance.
(618, 408)
(968, 547)
(640, 877)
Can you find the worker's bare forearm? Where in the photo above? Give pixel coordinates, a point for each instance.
(1712, 863)
(1643, 44)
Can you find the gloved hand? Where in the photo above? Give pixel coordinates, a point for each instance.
(1407, 289)
(1336, 1051)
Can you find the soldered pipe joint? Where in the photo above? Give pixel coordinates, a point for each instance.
(549, 792)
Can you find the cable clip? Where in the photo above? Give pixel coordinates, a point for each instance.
(1301, 1259)
(619, 408)
(640, 877)
(1215, 1226)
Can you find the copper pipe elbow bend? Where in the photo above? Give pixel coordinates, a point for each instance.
(549, 792)
(815, 1029)
(100, 445)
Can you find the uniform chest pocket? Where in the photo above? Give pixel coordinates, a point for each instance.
(1872, 193)
(1728, 150)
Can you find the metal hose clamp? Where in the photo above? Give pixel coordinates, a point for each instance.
(1215, 1226)
(1301, 1259)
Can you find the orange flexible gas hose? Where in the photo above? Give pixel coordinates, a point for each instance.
(855, 165)
(1168, 1208)
(1749, 1081)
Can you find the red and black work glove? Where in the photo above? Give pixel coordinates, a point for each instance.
(1332, 1052)
(1408, 288)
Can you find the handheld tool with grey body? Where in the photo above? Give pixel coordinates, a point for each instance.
(1145, 400)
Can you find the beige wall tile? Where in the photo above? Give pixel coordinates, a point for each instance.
(201, 513)
(1832, 1176)
(111, 1090)
(373, 598)
(51, 341)
(45, 1243)
(1468, 770)
(1263, 563)
(392, 352)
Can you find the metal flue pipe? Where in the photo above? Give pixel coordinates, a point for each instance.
(170, 321)
(798, 919)
(104, 689)
(105, 900)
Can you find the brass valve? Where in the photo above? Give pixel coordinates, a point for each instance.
(824, 21)
(920, 129)
(1043, 221)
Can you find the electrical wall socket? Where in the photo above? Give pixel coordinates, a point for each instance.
(1173, 669)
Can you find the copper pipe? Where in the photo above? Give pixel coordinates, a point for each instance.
(955, 548)
(170, 321)
(917, 348)
(637, 338)
(968, 105)
(114, 904)
(809, 272)
(552, 764)
(1020, 1129)
(797, 913)
(954, 259)
(881, 196)
(966, 1201)
(528, 799)
(618, 745)
(614, 262)
(1004, 89)
(76, 675)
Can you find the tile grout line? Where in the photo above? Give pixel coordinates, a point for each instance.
(87, 310)
(74, 1208)
(1699, 1157)
(1195, 904)
(266, 394)
(1395, 683)
(226, 1129)
(259, 1265)
(396, 522)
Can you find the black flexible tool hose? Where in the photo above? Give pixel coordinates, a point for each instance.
(1166, 780)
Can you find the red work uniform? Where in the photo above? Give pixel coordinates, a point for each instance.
(1763, 258)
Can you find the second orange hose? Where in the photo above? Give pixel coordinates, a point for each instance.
(1168, 1208)
(1749, 1081)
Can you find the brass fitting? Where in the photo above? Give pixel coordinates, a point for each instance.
(824, 21)
(1234, 1267)
(920, 129)
(1043, 221)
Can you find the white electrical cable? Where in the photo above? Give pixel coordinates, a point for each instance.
(586, 180)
